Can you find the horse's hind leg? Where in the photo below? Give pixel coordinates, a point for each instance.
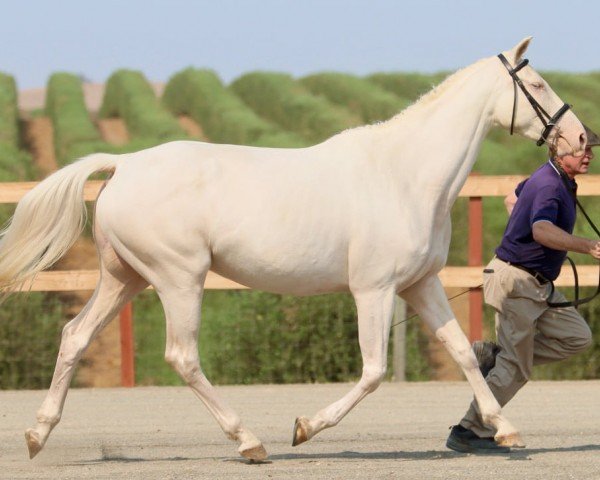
(182, 311)
(118, 284)
(427, 297)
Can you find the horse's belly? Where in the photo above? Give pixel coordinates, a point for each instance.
(285, 272)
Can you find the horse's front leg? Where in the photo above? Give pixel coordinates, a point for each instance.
(428, 298)
(375, 310)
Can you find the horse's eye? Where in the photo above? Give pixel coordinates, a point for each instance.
(537, 85)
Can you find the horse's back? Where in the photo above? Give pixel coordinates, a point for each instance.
(269, 218)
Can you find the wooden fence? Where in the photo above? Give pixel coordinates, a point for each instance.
(476, 187)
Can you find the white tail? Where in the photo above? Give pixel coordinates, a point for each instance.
(47, 221)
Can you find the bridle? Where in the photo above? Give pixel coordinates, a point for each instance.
(548, 121)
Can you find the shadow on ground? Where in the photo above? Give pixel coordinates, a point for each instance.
(515, 454)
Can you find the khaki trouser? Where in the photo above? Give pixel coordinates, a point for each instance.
(528, 332)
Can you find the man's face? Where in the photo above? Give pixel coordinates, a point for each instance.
(573, 165)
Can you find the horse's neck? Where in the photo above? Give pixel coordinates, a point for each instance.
(434, 146)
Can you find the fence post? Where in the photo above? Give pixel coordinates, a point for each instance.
(475, 259)
(399, 341)
(127, 350)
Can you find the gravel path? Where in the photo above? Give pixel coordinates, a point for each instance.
(398, 432)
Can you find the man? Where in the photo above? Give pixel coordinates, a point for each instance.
(517, 284)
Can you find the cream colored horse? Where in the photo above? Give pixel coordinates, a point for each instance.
(367, 211)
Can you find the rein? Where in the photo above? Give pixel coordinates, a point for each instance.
(548, 121)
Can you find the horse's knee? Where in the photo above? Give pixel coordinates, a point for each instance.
(468, 359)
(372, 378)
(454, 340)
(464, 356)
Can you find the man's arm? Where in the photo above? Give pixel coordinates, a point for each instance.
(549, 235)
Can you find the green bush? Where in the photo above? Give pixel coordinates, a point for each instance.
(71, 121)
(15, 164)
(409, 86)
(30, 330)
(362, 97)
(223, 116)
(280, 99)
(129, 95)
(9, 115)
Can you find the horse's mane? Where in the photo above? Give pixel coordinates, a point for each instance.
(423, 100)
(449, 81)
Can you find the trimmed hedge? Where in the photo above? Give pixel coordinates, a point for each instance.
(9, 115)
(407, 85)
(280, 99)
(75, 135)
(15, 164)
(223, 116)
(129, 95)
(368, 100)
(65, 105)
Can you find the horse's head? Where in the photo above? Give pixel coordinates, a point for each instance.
(533, 117)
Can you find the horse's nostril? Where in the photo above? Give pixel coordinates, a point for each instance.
(582, 139)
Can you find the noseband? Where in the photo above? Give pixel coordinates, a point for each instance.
(548, 121)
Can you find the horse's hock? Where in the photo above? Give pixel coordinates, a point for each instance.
(101, 363)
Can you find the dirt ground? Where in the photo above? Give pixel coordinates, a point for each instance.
(397, 432)
(113, 130)
(191, 127)
(39, 138)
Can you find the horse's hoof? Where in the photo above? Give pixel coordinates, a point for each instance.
(33, 442)
(512, 440)
(301, 431)
(257, 453)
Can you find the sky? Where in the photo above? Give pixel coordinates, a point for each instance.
(232, 37)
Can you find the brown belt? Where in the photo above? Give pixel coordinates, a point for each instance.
(537, 275)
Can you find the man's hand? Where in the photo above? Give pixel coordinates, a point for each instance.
(595, 249)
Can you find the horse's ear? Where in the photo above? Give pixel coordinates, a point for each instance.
(515, 54)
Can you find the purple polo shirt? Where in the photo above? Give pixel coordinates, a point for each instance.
(541, 197)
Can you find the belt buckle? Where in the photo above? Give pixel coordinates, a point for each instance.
(540, 278)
